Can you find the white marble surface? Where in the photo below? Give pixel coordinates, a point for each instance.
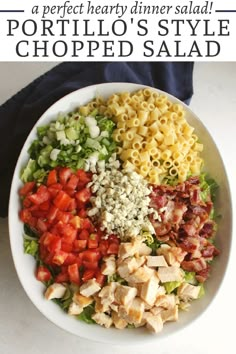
(22, 327)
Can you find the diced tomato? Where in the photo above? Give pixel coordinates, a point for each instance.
(86, 224)
(41, 225)
(90, 255)
(83, 235)
(83, 195)
(43, 274)
(55, 244)
(71, 258)
(40, 196)
(54, 189)
(25, 215)
(82, 213)
(73, 271)
(67, 247)
(63, 216)
(26, 189)
(59, 257)
(26, 202)
(45, 205)
(73, 205)
(76, 222)
(52, 178)
(103, 246)
(62, 200)
(52, 213)
(79, 245)
(68, 233)
(113, 248)
(61, 278)
(84, 178)
(92, 243)
(39, 213)
(88, 274)
(73, 181)
(64, 175)
(100, 278)
(113, 238)
(90, 265)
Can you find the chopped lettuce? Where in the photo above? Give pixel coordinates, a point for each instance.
(69, 141)
(31, 246)
(170, 286)
(86, 315)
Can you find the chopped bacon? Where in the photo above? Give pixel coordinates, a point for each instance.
(185, 222)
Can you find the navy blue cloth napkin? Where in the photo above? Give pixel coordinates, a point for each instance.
(19, 114)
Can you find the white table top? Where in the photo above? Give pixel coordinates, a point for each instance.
(23, 329)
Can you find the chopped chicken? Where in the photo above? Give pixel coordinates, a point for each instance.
(124, 295)
(166, 301)
(89, 288)
(109, 265)
(144, 250)
(170, 314)
(99, 306)
(154, 323)
(156, 310)
(129, 249)
(141, 275)
(107, 294)
(119, 323)
(156, 261)
(149, 290)
(82, 300)
(75, 309)
(127, 266)
(102, 319)
(134, 312)
(172, 273)
(187, 291)
(55, 291)
(173, 255)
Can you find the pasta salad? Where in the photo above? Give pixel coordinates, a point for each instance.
(118, 213)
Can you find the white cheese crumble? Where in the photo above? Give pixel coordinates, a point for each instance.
(121, 201)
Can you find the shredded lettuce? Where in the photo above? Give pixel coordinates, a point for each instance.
(31, 247)
(170, 286)
(86, 315)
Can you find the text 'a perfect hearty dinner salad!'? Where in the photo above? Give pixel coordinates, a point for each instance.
(118, 213)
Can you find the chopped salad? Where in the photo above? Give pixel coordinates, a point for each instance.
(114, 243)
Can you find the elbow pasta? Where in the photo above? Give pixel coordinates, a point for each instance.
(153, 136)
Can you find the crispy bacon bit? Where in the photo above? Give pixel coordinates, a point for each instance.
(186, 223)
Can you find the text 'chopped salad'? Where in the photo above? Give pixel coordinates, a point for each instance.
(118, 213)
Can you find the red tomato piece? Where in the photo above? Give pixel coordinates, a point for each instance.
(92, 243)
(82, 213)
(62, 200)
(64, 175)
(72, 183)
(103, 246)
(91, 256)
(71, 259)
(55, 244)
(40, 196)
(26, 189)
(100, 278)
(63, 216)
(76, 222)
(73, 271)
(113, 248)
(52, 178)
(43, 274)
(68, 233)
(67, 247)
(52, 213)
(86, 224)
(59, 257)
(54, 189)
(45, 205)
(83, 195)
(79, 245)
(84, 235)
(41, 225)
(88, 274)
(90, 265)
(61, 278)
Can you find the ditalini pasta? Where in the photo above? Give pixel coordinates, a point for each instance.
(152, 134)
